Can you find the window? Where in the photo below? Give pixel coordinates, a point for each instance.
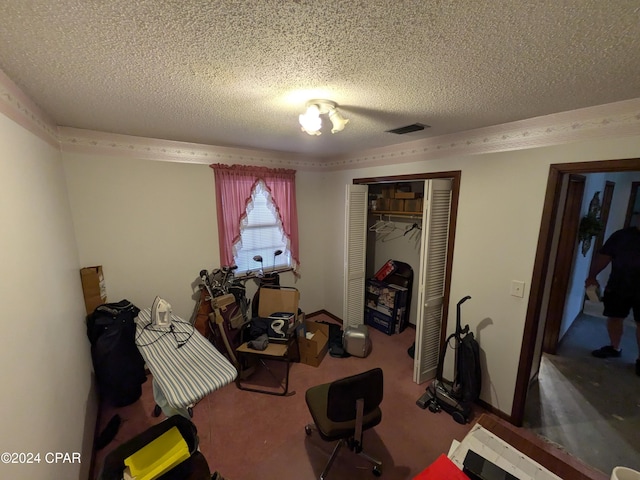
(257, 215)
(261, 235)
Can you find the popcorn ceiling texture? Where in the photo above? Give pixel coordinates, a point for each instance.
(233, 73)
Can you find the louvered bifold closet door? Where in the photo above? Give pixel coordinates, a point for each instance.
(433, 261)
(355, 254)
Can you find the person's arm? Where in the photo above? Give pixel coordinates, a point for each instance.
(599, 263)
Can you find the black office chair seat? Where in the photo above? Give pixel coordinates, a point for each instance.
(343, 409)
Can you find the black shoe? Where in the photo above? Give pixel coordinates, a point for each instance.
(638, 367)
(607, 352)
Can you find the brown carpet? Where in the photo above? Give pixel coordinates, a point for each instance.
(246, 435)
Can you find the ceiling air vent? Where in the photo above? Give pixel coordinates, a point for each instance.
(415, 127)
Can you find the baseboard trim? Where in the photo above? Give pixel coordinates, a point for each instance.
(91, 425)
(324, 312)
(498, 413)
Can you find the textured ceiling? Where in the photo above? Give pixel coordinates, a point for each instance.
(238, 73)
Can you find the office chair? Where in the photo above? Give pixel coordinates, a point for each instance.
(343, 409)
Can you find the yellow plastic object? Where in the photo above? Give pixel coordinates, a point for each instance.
(158, 456)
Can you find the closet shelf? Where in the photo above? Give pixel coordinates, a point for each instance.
(398, 213)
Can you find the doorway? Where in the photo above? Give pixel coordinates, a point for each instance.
(531, 351)
(431, 306)
(633, 211)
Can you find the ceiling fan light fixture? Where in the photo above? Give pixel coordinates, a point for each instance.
(337, 120)
(311, 122)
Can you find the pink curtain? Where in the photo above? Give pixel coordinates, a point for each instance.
(234, 184)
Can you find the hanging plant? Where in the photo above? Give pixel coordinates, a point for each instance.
(590, 224)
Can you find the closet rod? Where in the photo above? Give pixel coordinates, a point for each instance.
(398, 215)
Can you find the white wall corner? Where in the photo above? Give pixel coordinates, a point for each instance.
(22, 110)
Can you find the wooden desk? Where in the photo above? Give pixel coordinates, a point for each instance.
(553, 459)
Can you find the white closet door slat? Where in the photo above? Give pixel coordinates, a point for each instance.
(355, 254)
(433, 262)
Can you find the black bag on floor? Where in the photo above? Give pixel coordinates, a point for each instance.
(117, 363)
(469, 368)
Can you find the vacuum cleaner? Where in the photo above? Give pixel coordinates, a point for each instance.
(456, 398)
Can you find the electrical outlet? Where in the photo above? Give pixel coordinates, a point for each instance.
(517, 288)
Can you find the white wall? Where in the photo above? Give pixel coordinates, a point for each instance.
(499, 214)
(47, 397)
(152, 226)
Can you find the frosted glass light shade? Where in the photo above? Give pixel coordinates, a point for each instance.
(310, 121)
(337, 120)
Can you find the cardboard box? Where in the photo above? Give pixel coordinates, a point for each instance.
(281, 299)
(379, 321)
(93, 287)
(313, 349)
(280, 302)
(382, 204)
(385, 306)
(396, 204)
(388, 191)
(406, 195)
(384, 297)
(413, 205)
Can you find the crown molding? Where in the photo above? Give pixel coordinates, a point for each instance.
(127, 146)
(22, 110)
(619, 119)
(611, 120)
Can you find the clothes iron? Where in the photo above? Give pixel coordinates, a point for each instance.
(161, 313)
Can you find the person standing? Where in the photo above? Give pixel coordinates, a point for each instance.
(622, 291)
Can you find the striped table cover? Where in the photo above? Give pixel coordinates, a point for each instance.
(185, 365)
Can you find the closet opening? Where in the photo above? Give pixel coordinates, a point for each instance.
(410, 221)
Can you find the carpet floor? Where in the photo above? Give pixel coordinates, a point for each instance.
(246, 435)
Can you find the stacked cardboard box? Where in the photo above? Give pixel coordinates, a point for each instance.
(385, 306)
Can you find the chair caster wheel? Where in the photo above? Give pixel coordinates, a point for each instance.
(377, 471)
(307, 429)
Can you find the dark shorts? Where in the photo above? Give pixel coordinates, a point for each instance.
(617, 305)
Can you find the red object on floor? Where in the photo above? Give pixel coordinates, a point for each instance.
(441, 469)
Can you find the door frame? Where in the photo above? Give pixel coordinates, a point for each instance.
(455, 176)
(563, 264)
(541, 268)
(635, 186)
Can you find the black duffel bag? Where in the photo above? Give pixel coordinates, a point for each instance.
(117, 363)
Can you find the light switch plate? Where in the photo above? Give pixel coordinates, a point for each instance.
(517, 288)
